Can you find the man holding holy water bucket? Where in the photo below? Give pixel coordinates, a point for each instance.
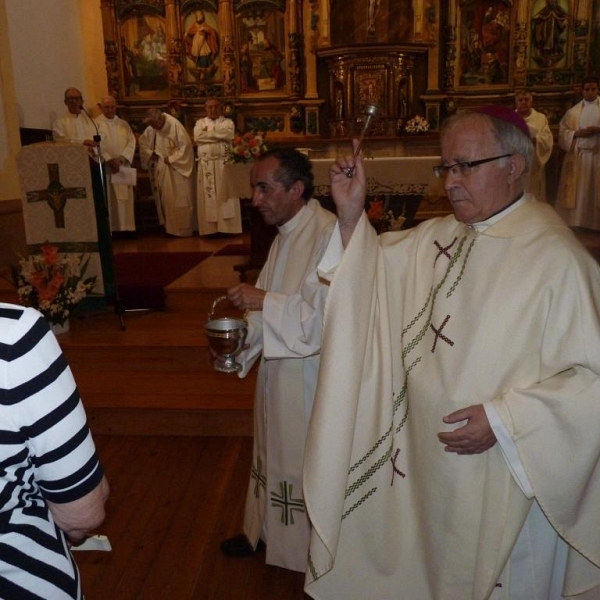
(284, 317)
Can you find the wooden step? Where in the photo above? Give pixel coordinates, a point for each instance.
(155, 377)
(197, 289)
(165, 422)
(177, 389)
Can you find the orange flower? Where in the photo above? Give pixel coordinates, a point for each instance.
(53, 284)
(375, 211)
(46, 290)
(50, 254)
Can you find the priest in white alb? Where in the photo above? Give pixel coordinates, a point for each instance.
(578, 197)
(117, 146)
(166, 152)
(453, 451)
(76, 125)
(542, 139)
(284, 337)
(213, 135)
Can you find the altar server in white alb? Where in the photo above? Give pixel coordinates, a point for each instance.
(213, 135)
(578, 198)
(117, 146)
(543, 140)
(76, 126)
(453, 451)
(284, 334)
(166, 152)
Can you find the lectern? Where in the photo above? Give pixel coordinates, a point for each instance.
(63, 204)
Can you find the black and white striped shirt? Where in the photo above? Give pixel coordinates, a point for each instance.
(46, 453)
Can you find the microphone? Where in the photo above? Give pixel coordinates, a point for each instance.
(96, 137)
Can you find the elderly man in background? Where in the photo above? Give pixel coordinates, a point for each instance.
(542, 139)
(285, 321)
(76, 126)
(117, 146)
(166, 152)
(213, 135)
(578, 198)
(453, 450)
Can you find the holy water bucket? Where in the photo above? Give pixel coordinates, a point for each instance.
(226, 336)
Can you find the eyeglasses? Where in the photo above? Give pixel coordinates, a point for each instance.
(464, 168)
(73, 99)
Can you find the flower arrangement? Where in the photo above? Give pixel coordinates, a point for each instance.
(417, 124)
(53, 284)
(383, 220)
(247, 146)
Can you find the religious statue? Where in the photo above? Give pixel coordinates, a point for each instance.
(371, 16)
(202, 41)
(339, 103)
(548, 26)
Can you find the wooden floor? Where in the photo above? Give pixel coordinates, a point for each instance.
(172, 501)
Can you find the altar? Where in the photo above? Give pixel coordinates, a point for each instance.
(392, 179)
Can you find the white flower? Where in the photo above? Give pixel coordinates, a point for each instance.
(247, 146)
(417, 124)
(52, 283)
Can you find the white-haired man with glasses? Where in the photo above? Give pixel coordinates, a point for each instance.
(453, 451)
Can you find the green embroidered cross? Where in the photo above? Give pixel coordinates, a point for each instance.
(287, 503)
(56, 195)
(259, 479)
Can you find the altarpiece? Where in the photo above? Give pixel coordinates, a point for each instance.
(304, 69)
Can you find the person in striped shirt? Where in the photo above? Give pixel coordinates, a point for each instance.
(52, 486)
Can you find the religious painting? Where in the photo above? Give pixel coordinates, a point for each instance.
(484, 51)
(370, 88)
(549, 28)
(261, 55)
(202, 45)
(145, 57)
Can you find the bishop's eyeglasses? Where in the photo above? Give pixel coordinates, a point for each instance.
(463, 168)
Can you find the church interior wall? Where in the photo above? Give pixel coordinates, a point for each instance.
(9, 129)
(54, 44)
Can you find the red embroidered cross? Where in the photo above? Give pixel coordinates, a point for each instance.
(395, 469)
(443, 249)
(439, 334)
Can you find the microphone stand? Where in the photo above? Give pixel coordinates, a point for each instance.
(104, 185)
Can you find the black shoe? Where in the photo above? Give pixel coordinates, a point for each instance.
(239, 546)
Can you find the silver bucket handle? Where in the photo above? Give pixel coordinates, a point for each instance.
(214, 305)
